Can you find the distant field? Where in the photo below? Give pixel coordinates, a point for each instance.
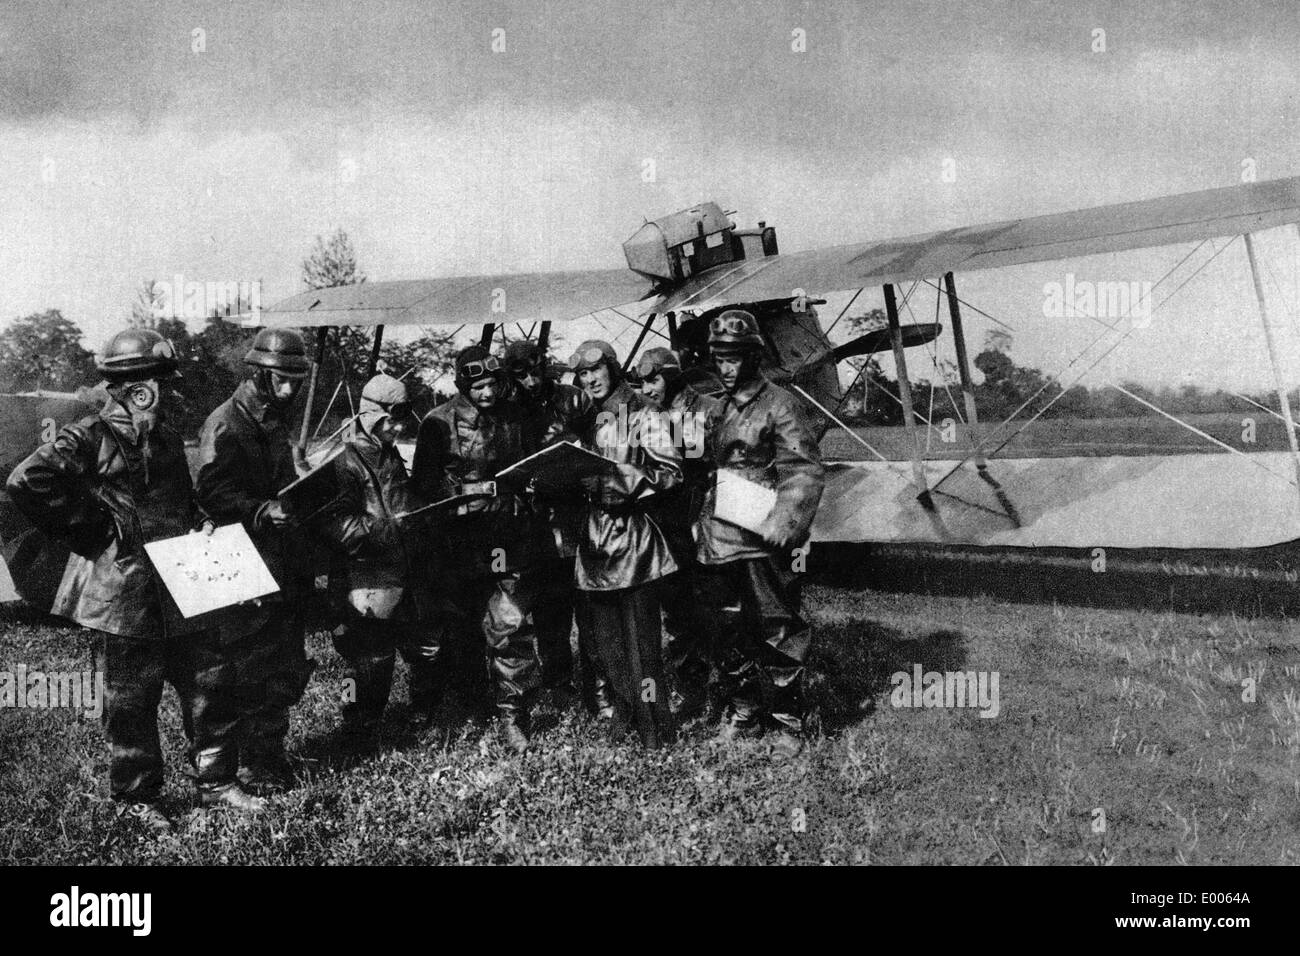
(1137, 715)
(1062, 438)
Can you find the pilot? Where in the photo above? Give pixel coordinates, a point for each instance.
(494, 541)
(375, 554)
(245, 460)
(690, 414)
(105, 486)
(751, 589)
(553, 412)
(623, 554)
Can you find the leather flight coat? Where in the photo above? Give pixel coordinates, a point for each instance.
(459, 444)
(561, 413)
(763, 434)
(692, 415)
(245, 459)
(105, 490)
(622, 547)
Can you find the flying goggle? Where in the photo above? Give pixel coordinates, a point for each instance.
(480, 368)
(731, 325)
(648, 366)
(591, 356)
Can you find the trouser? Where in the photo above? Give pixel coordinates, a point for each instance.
(278, 671)
(553, 616)
(686, 632)
(369, 649)
(205, 675)
(495, 613)
(760, 641)
(627, 637)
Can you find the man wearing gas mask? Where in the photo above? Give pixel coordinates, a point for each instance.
(375, 556)
(245, 459)
(750, 590)
(553, 412)
(105, 486)
(494, 541)
(690, 415)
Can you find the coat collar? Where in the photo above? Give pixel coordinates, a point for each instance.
(748, 391)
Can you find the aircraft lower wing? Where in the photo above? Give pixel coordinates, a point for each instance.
(1158, 501)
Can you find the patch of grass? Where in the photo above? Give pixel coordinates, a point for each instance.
(1137, 715)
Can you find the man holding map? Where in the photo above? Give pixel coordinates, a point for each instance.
(106, 486)
(760, 442)
(245, 460)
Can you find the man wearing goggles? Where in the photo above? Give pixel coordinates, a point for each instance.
(374, 559)
(750, 591)
(245, 459)
(106, 486)
(493, 542)
(553, 412)
(623, 554)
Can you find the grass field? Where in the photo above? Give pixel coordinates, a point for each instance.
(1135, 714)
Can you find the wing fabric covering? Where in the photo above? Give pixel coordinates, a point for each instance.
(1156, 501)
(563, 296)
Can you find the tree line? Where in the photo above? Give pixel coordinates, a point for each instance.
(1007, 388)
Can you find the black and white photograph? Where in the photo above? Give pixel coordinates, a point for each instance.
(685, 432)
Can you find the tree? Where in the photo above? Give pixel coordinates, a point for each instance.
(44, 351)
(147, 305)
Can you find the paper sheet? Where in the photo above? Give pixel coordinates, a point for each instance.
(8, 592)
(742, 502)
(203, 573)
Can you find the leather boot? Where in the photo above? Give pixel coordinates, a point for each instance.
(513, 734)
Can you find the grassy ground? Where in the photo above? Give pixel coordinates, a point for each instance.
(1137, 714)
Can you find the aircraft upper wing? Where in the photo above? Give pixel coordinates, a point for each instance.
(1188, 217)
(560, 296)
(460, 300)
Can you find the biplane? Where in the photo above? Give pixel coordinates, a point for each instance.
(686, 267)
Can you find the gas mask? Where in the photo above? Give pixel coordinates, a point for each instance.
(144, 401)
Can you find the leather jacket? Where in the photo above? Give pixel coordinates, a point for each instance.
(245, 460)
(622, 547)
(560, 413)
(105, 490)
(762, 433)
(459, 445)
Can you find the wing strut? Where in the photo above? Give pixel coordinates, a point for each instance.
(905, 394)
(1282, 398)
(374, 353)
(645, 329)
(300, 449)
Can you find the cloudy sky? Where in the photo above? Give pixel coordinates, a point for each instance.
(130, 149)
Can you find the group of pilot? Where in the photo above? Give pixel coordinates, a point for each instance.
(476, 580)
